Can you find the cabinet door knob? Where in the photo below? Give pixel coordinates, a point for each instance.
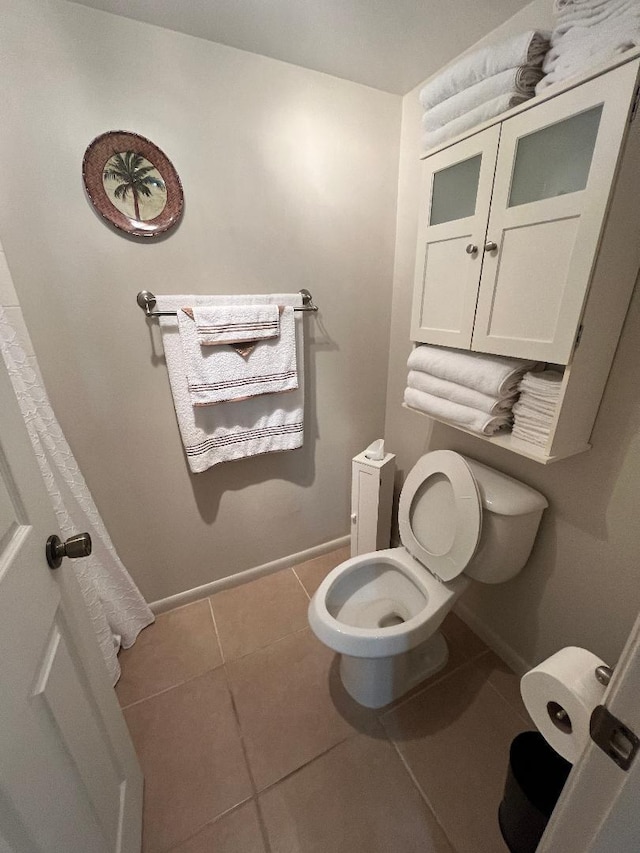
(490, 246)
(471, 249)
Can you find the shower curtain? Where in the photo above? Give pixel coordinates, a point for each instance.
(117, 609)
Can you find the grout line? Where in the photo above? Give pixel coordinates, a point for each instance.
(171, 687)
(310, 761)
(215, 628)
(420, 790)
(300, 582)
(437, 680)
(210, 823)
(509, 704)
(254, 787)
(268, 645)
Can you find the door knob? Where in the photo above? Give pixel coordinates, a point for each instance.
(74, 547)
(490, 246)
(471, 249)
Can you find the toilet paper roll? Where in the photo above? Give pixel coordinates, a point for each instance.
(560, 695)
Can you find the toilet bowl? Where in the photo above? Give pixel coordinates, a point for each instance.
(381, 611)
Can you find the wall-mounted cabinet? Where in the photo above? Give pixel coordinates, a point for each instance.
(528, 241)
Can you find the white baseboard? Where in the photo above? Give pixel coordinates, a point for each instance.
(517, 663)
(206, 589)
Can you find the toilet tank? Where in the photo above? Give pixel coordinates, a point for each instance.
(511, 513)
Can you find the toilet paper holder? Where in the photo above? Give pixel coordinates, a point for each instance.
(557, 713)
(603, 674)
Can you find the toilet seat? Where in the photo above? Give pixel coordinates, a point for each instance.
(440, 513)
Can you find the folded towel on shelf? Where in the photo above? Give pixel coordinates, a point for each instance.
(218, 374)
(535, 411)
(235, 324)
(583, 47)
(513, 82)
(588, 13)
(474, 117)
(526, 49)
(213, 434)
(464, 416)
(461, 394)
(494, 375)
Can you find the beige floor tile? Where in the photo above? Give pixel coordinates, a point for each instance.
(292, 706)
(506, 682)
(357, 798)
(178, 646)
(191, 755)
(255, 614)
(237, 832)
(455, 736)
(463, 643)
(313, 572)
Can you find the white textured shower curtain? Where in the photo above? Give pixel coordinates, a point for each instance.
(116, 607)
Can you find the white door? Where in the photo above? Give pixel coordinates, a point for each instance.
(554, 176)
(598, 810)
(69, 778)
(452, 224)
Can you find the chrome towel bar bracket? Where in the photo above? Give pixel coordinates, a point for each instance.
(147, 301)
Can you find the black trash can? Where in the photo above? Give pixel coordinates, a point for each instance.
(535, 779)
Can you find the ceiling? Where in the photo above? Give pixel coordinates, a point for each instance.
(389, 44)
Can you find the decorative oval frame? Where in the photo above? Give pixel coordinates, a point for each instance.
(97, 155)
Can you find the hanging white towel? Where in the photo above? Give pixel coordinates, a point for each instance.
(494, 375)
(217, 374)
(526, 49)
(235, 324)
(213, 434)
(471, 419)
(514, 82)
(459, 393)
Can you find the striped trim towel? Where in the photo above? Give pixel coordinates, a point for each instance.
(239, 429)
(239, 325)
(217, 374)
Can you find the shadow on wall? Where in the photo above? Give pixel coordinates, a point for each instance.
(294, 466)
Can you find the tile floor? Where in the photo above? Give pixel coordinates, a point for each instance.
(249, 743)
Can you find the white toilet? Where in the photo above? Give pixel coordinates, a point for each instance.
(458, 519)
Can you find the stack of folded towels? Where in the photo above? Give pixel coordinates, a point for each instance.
(535, 411)
(471, 390)
(481, 86)
(589, 32)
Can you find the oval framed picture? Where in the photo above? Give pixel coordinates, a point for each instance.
(132, 183)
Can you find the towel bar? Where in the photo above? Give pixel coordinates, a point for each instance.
(147, 301)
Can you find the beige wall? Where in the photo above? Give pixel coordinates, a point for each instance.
(582, 585)
(290, 181)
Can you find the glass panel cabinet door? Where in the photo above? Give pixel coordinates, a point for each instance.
(554, 175)
(454, 207)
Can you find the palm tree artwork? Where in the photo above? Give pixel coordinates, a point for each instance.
(136, 176)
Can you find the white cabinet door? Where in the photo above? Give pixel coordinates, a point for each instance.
(455, 198)
(69, 778)
(554, 176)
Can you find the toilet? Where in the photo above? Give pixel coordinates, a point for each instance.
(459, 520)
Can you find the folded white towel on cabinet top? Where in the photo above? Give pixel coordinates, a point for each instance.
(217, 374)
(484, 112)
(513, 82)
(461, 394)
(471, 419)
(234, 324)
(583, 47)
(213, 434)
(494, 375)
(526, 49)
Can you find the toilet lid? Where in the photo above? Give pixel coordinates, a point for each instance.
(440, 513)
